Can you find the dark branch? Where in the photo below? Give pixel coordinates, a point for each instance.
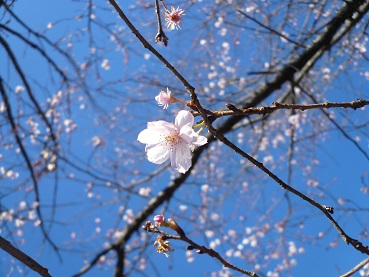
(23, 258)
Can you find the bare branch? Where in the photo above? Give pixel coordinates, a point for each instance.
(356, 268)
(28, 163)
(149, 227)
(23, 258)
(281, 106)
(160, 36)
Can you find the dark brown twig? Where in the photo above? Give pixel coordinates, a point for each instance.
(233, 110)
(28, 163)
(149, 227)
(160, 36)
(23, 258)
(347, 239)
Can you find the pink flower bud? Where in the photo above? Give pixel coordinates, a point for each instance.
(159, 219)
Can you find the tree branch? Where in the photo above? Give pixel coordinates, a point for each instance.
(356, 268)
(23, 258)
(149, 227)
(28, 163)
(321, 44)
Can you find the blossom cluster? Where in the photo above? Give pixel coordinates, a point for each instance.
(163, 246)
(174, 141)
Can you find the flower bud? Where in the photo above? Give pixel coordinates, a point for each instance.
(159, 220)
(174, 226)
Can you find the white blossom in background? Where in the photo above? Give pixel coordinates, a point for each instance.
(166, 140)
(19, 89)
(105, 64)
(98, 141)
(22, 205)
(129, 216)
(209, 233)
(69, 125)
(182, 207)
(190, 256)
(144, 191)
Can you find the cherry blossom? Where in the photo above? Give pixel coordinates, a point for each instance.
(163, 98)
(173, 18)
(105, 64)
(166, 140)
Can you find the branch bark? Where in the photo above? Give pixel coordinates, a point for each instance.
(23, 258)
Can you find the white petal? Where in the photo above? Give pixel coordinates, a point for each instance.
(199, 140)
(184, 118)
(187, 134)
(149, 136)
(161, 126)
(180, 158)
(157, 154)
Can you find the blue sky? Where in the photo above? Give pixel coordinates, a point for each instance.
(123, 106)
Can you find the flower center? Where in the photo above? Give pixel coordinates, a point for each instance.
(172, 140)
(175, 18)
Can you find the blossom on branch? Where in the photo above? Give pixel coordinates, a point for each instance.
(164, 98)
(166, 140)
(159, 220)
(173, 18)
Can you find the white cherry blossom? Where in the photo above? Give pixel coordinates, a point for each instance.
(166, 140)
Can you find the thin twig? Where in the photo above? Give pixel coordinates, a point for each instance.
(264, 110)
(356, 268)
(271, 30)
(147, 45)
(149, 227)
(343, 132)
(28, 163)
(160, 36)
(324, 209)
